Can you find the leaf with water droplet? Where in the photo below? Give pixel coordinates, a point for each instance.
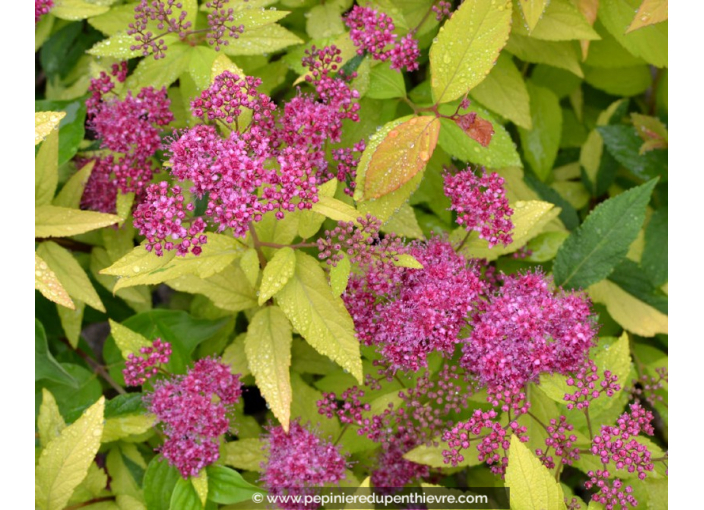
(268, 349)
(649, 13)
(277, 273)
(561, 21)
(50, 423)
(541, 143)
(340, 275)
(46, 282)
(71, 193)
(128, 341)
(400, 156)
(52, 221)
(532, 10)
(73, 10)
(229, 289)
(64, 462)
(44, 123)
(467, 47)
(247, 454)
(648, 42)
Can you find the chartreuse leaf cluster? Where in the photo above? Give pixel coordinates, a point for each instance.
(568, 104)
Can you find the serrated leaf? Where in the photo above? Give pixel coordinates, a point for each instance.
(46, 169)
(72, 192)
(593, 250)
(124, 426)
(402, 154)
(118, 46)
(336, 209)
(504, 92)
(268, 349)
(50, 423)
(654, 259)
(277, 273)
(310, 221)
(71, 275)
(319, 316)
(45, 123)
(561, 21)
(46, 282)
(430, 455)
(532, 10)
(324, 21)
(532, 486)
(540, 144)
(631, 313)
(128, 341)
(77, 9)
(266, 39)
(649, 13)
(385, 83)
(163, 72)
(229, 289)
(114, 21)
(648, 43)
(250, 266)
(235, 357)
(562, 54)
(52, 221)
(651, 130)
(340, 275)
(529, 218)
(222, 64)
(404, 223)
(467, 46)
(247, 454)
(64, 462)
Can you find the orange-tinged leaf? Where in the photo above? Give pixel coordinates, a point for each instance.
(478, 129)
(589, 9)
(401, 155)
(649, 13)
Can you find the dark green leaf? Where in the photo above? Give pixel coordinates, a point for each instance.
(185, 497)
(226, 486)
(159, 482)
(123, 405)
(601, 242)
(654, 261)
(45, 366)
(74, 399)
(64, 48)
(633, 280)
(568, 214)
(541, 143)
(624, 143)
(71, 127)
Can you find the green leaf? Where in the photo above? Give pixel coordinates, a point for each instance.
(654, 260)
(50, 423)
(77, 9)
(200, 67)
(72, 320)
(385, 83)
(649, 13)
(336, 210)
(593, 250)
(114, 21)
(529, 218)
(319, 316)
(52, 221)
(159, 482)
(64, 462)
(46, 169)
(504, 92)
(72, 192)
(324, 21)
(45, 123)
(266, 39)
(563, 54)
(403, 223)
(400, 156)
(532, 486)
(128, 341)
(532, 11)
(430, 455)
(268, 349)
(185, 496)
(73, 397)
(71, 126)
(227, 487)
(561, 21)
(118, 46)
(45, 365)
(126, 426)
(200, 484)
(71, 275)
(247, 454)
(163, 72)
(407, 260)
(249, 263)
(229, 289)
(277, 273)
(624, 81)
(648, 43)
(614, 355)
(624, 144)
(340, 275)
(467, 46)
(631, 278)
(608, 52)
(310, 221)
(540, 144)
(500, 153)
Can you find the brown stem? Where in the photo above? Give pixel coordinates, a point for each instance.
(536, 419)
(342, 433)
(90, 502)
(257, 245)
(294, 246)
(67, 243)
(97, 367)
(462, 243)
(589, 423)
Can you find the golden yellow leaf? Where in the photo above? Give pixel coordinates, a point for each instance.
(44, 123)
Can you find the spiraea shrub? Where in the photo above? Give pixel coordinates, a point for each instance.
(291, 245)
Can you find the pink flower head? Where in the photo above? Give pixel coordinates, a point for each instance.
(299, 460)
(157, 15)
(100, 192)
(481, 205)
(442, 9)
(41, 7)
(193, 412)
(140, 368)
(221, 24)
(527, 329)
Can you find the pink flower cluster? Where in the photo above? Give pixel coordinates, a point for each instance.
(273, 164)
(299, 460)
(140, 368)
(409, 313)
(442, 9)
(612, 494)
(157, 15)
(221, 23)
(646, 387)
(585, 379)
(491, 437)
(527, 329)
(373, 32)
(130, 128)
(559, 440)
(193, 411)
(41, 7)
(481, 205)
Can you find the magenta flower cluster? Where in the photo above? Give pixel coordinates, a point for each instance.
(41, 7)
(409, 313)
(588, 387)
(130, 129)
(481, 205)
(526, 329)
(275, 163)
(140, 368)
(442, 9)
(373, 32)
(299, 460)
(193, 413)
(561, 440)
